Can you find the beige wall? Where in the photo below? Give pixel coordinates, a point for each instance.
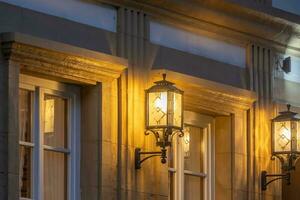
(223, 158)
(116, 129)
(291, 192)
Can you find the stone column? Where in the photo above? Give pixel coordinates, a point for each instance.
(9, 127)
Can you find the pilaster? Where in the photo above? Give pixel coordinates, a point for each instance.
(261, 71)
(9, 129)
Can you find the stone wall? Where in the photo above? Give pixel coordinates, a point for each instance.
(117, 125)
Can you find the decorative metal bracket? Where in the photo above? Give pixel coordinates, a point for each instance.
(139, 161)
(288, 162)
(166, 136)
(275, 177)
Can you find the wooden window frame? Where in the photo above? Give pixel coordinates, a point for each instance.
(209, 163)
(41, 87)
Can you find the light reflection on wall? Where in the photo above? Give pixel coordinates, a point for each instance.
(186, 142)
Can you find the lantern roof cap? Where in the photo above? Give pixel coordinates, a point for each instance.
(287, 115)
(164, 85)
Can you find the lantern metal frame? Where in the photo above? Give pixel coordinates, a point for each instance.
(288, 159)
(163, 133)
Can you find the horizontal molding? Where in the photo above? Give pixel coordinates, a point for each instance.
(208, 95)
(63, 65)
(223, 20)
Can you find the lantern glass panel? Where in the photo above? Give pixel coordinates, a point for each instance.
(157, 108)
(297, 137)
(176, 110)
(282, 136)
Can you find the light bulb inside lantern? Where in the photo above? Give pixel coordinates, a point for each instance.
(161, 102)
(284, 135)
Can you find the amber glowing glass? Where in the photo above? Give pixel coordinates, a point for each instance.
(286, 133)
(164, 109)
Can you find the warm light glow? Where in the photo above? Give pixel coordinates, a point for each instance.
(298, 136)
(164, 112)
(160, 102)
(283, 136)
(177, 118)
(49, 116)
(186, 142)
(157, 108)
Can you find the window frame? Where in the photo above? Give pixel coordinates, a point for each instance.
(207, 123)
(39, 88)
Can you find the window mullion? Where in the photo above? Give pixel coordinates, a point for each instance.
(56, 149)
(26, 144)
(192, 173)
(180, 169)
(38, 154)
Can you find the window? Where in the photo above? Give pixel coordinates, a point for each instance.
(190, 162)
(48, 117)
(292, 6)
(85, 12)
(180, 39)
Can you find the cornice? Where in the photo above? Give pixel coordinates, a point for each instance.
(204, 94)
(62, 65)
(222, 20)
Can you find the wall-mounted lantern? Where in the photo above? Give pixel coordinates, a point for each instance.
(285, 145)
(284, 65)
(164, 117)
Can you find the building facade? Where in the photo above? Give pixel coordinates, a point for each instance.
(73, 75)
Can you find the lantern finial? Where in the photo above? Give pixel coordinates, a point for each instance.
(288, 106)
(164, 76)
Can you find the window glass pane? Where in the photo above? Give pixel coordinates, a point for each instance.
(25, 171)
(193, 160)
(193, 187)
(25, 115)
(298, 137)
(55, 121)
(55, 175)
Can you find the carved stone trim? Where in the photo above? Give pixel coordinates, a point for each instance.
(61, 65)
(202, 94)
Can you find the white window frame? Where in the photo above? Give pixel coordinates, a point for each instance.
(208, 124)
(40, 87)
